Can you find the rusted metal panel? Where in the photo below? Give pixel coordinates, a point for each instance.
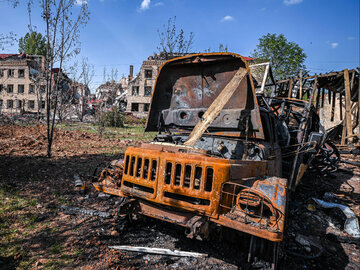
(187, 86)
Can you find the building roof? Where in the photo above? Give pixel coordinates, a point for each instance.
(8, 55)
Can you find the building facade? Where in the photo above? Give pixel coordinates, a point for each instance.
(141, 87)
(20, 88)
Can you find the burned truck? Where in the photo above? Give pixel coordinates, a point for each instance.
(223, 156)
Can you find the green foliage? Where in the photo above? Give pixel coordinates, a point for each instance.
(113, 118)
(33, 43)
(286, 58)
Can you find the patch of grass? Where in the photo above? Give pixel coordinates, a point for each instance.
(78, 252)
(56, 248)
(26, 263)
(134, 132)
(54, 230)
(17, 218)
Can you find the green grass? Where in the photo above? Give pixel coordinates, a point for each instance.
(134, 132)
(17, 220)
(18, 223)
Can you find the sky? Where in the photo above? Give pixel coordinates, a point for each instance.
(124, 32)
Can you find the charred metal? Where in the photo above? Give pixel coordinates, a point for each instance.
(223, 154)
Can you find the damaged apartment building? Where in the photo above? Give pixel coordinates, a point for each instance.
(113, 93)
(23, 85)
(141, 86)
(20, 91)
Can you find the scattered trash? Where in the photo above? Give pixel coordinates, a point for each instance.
(161, 251)
(103, 195)
(302, 241)
(71, 209)
(351, 225)
(78, 182)
(311, 207)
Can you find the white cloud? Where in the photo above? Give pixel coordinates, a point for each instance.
(292, 2)
(351, 38)
(334, 45)
(80, 2)
(158, 4)
(227, 18)
(145, 4)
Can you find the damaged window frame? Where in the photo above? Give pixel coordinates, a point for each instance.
(148, 73)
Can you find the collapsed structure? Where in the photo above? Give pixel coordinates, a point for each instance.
(140, 87)
(23, 86)
(222, 156)
(341, 90)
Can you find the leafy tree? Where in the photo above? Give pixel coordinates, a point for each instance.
(33, 43)
(172, 41)
(286, 58)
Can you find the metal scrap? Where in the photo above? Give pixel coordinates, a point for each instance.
(161, 251)
(351, 225)
(72, 210)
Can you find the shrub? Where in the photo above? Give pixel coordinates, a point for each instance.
(113, 118)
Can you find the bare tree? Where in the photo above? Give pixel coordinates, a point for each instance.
(9, 38)
(174, 42)
(86, 77)
(14, 3)
(104, 75)
(62, 29)
(39, 83)
(222, 48)
(113, 75)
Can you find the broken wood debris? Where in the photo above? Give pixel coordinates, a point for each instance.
(72, 210)
(160, 251)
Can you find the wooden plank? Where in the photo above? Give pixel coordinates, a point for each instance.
(318, 99)
(290, 88)
(333, 106)
(343, 133)
(323, 98)
(341, 106)
(335, 73)
(215, 108)
(359, 110)
(265, 78)
(161, 251)
(347, 103)
(301, 86)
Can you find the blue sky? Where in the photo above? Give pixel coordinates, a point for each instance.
(124, 32)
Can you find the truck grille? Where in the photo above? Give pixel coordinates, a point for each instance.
(182, 180)
(142, 173)
(189, 176)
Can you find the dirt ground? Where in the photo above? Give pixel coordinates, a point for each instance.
(36, 232)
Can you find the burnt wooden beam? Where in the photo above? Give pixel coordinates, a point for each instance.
(301, 85)
(215, 108)
(333, 106)
(290, 88)
(341, 106)
(348, 103)
(358, 119)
